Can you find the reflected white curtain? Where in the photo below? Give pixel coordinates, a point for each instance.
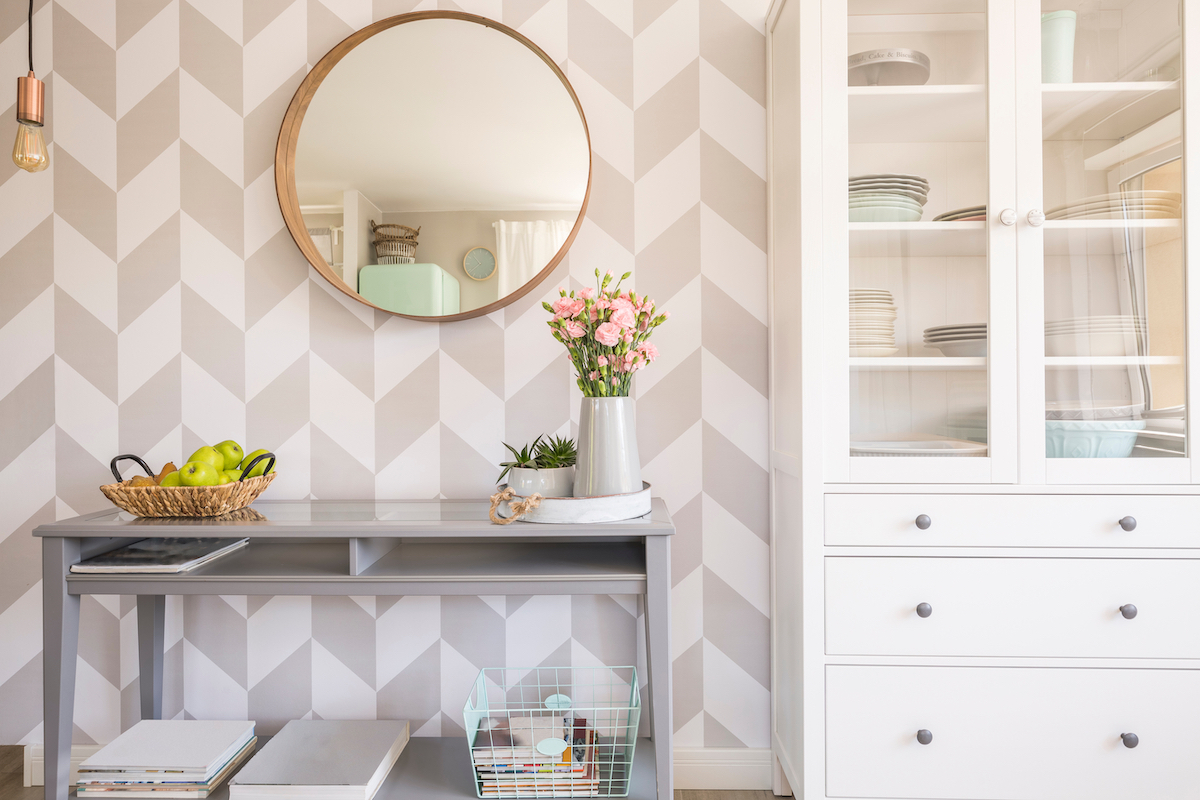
(323, 239)
(523, 249)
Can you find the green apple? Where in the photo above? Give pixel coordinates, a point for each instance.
(171, 479)
(230, 475)
(232, 451)
(199, 473)
(235, 472)
(208, 455)
(260, 467)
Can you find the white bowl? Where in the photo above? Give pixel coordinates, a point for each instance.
(1091, 438)
(961, 349)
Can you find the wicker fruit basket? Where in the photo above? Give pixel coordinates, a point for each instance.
(187, 501)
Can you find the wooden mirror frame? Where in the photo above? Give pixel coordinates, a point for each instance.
(289, 135)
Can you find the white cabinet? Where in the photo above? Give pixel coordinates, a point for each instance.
(981, 339)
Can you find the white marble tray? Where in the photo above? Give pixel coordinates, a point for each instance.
(606, 508)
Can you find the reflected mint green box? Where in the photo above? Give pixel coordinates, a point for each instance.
(422, 290)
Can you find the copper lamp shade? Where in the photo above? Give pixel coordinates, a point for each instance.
(31, 100)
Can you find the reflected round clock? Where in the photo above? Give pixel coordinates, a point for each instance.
(480, 263)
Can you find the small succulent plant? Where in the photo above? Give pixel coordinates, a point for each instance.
(556, 452)
(526, 457)
(541, 453)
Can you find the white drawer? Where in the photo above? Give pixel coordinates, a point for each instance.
(1024, 520)
(1012, 733)
(1068, 607)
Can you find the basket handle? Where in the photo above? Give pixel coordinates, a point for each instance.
(373, 225)
(128, 457)
(257, 459)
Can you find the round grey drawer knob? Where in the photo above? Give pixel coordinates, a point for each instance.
(924, 610)
(923, 522)
(1130, 740)
(925, 737)
(1129, 611)
(1127, 523)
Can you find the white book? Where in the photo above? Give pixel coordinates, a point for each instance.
(323, 760)
(170, 749)
(169, 556)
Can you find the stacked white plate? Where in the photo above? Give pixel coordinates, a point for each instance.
(958, 340)
(969, 214)
(872, 323)
(1145, 204)
(1114, 335)
(888, 197)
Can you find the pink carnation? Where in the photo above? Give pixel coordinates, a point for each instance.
(563, 307)
(648, 350)
(627, 337)
(614, 381)
(574, 329)
(608, 334)
(602, 361)
(593, 375)
(622, 302)
(587, 293)
(623, 316)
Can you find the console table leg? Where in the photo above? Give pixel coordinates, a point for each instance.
(658, 657)
(60, 644)
(151, 619)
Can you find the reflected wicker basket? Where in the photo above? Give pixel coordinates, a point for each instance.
(391, 232)
(186, 501)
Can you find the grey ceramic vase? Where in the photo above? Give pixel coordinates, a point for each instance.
(607, 461)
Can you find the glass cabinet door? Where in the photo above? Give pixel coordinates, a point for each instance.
(927, 301)
(1113, 328)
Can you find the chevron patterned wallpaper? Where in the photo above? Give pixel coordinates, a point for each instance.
(151, 300)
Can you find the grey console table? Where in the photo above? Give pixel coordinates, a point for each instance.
(363, 548)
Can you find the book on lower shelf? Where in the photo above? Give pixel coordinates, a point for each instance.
(323, 760)
(168, 759)
(513, 758)
(161, 556)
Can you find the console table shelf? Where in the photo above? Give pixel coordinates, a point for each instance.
(312, 547)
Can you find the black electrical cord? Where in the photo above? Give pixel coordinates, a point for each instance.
(31, 35)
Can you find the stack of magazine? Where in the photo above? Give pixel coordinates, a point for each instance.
(520, 757)
(167, 759)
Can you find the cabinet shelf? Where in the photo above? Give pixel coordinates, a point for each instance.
(925, 363)
(1113, 361)
(1104, 110)
(875, 239)
(938, 113)
(1074, 237)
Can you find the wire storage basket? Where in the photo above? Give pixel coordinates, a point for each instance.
(553, 731)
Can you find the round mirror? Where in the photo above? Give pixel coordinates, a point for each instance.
(435, 165)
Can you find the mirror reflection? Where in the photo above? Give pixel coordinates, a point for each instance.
(441, 167)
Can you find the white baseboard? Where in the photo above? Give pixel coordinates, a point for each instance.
(695, 767)
(35, 761)
(723, 768)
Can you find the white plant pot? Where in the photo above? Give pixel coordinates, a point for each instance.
(558, 482)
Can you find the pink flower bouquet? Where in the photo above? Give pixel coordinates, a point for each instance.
(606, 332)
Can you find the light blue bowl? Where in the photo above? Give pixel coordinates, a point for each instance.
(1091, 438)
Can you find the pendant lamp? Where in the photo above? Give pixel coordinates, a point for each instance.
(29, 151)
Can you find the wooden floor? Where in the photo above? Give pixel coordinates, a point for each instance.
(12, 764)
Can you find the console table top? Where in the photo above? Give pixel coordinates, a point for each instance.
(326, 519)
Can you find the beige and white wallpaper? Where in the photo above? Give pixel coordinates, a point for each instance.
(151, 300)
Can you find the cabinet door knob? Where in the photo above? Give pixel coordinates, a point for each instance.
(925, 737)
(1036, 217)
(1127, 523)
(1129, 611)
(1130, 740)
(1008, 217)
(924, 610)
(923, 522)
